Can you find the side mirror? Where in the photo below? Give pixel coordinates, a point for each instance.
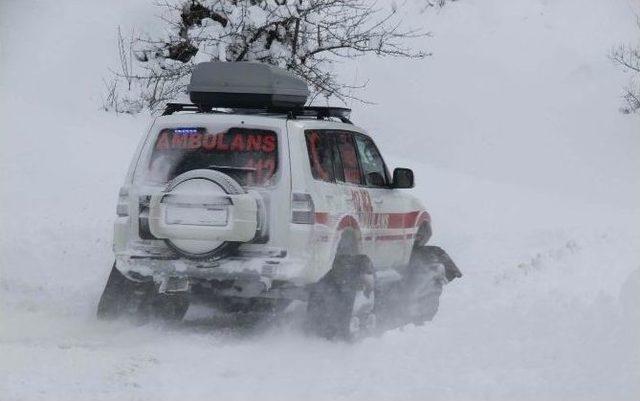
(402, 178)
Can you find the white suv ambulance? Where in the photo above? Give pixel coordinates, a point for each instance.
(248, 200)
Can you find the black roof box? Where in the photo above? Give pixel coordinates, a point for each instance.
(246, 85)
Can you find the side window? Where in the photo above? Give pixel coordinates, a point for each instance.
(375, 174)
(320, 148)
(348, 157)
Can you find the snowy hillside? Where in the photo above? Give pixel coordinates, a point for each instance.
(529, 171)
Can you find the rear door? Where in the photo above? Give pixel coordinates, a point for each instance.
(350, 184)
(387, 222)
(350, 174)
(321, 151)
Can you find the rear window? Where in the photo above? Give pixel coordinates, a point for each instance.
(320, 148)
(349, 158)
(333, 156)
(250, 156)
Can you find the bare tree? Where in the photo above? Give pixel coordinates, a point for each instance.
(436, 3)
(305, 36)
(629, 58)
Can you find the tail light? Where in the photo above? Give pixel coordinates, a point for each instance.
(143, 217)
(122, 210)
(302, 209)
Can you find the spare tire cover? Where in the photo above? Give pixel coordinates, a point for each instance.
(206, 182)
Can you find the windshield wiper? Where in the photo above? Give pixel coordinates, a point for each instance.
(235, 168)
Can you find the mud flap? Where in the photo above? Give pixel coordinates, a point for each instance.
(414, 296)
(140, 301)
(438, 255)
(125, 298)
(341, 305)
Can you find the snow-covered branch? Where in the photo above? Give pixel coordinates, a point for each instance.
(629, 58)
(305, 36)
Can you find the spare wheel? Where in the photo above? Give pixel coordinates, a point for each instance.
(204, 214)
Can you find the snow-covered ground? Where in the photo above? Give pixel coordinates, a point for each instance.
(529, 171)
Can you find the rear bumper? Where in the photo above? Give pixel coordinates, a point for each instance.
(283, 269)
(244, 276)
(303, 260)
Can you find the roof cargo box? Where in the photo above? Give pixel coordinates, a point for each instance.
(246, 85)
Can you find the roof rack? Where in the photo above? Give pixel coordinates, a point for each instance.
(319, 112)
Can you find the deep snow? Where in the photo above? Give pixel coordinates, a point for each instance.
(532, 194)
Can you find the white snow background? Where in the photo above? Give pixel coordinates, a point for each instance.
(531, 175)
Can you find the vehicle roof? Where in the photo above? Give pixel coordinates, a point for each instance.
(203, 118)
(268, 120)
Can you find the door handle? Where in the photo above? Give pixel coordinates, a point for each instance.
(378, 201)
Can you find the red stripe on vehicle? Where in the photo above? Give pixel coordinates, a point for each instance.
(322, 218)
(402, 220)
(395, 220)
(411, 218)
